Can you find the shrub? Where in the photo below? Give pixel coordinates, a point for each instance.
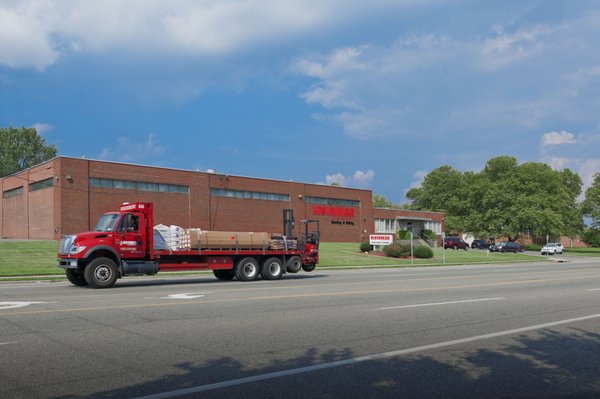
(404, 234)
(423, 252)
(397, 250)
(365, 246)
(532, 247)
(428, 234)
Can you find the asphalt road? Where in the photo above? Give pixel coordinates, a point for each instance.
(489, 331)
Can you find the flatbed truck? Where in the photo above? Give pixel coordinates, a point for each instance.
(122, 244)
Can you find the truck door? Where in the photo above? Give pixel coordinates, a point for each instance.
(129, 238)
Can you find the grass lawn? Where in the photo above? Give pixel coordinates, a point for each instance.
(347, 254)
(28, 258)
(32, 258)
(583, 251)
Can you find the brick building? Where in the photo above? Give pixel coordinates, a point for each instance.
(67, 195)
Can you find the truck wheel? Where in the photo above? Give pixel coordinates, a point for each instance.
(272, 269)
(101, 273)
(76, 277)
(247, 269)
(309, 268)
(224, 274)
(293, 264)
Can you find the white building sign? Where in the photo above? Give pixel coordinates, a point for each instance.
(381, 239)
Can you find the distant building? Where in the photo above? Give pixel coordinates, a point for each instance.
(67, 195)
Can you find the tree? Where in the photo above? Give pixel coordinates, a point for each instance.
(590, 206)
(379, 201)
(504, 199)
(22, 148)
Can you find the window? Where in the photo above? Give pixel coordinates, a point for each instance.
(331, 201)
(385, 226)
(436, 227)
(41, 184)
(137, 185)
(221, 192)
(13, 193)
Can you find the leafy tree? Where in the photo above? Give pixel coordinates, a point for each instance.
(590, 206)
(22, 148)
(504, 199)
(591, 236)
(379, 201)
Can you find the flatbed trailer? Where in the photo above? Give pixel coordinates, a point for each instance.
(123, 244)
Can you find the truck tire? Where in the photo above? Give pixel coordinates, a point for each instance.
(272, 269)
(101, 273)
(76, 277)
(309, 268)
(247, 269)
(224, 274)
(293, 264)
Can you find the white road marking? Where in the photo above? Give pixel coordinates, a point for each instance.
(406, 275)
(377, 356)
(511, 270)
(7, 343)
(15, 305)
(440, 303)
(594, 289)
(184, 296)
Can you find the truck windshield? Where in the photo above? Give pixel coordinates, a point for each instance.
(107, 222)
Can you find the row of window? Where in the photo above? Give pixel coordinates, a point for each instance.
(331, 201)
(138, 185)
(12, 193)
(221, 192)
(38, 185)
(392, 225)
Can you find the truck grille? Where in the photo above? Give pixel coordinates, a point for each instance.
(66, 242)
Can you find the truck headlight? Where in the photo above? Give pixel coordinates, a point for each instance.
(77, 249)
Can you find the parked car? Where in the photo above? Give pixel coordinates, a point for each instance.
(505, 246)
(552, 248)
(455, 243)
(480, 244)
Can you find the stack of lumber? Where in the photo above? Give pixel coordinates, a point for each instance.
(229, 240)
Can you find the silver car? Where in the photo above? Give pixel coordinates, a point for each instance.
(552, 248)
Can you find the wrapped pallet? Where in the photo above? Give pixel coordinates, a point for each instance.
(230, 239)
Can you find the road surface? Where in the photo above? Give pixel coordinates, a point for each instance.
(485, 331)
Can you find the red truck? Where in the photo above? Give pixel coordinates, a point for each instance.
(122, 244)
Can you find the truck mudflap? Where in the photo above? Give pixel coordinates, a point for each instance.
(67, 263)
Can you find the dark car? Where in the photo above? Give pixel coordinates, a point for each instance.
(505, 246)
(479, 244)
(455, 243)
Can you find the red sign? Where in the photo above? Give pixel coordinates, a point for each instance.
(335, 211)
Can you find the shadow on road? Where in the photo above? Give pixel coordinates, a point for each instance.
(542, 364)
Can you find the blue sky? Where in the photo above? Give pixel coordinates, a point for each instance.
(367, 94)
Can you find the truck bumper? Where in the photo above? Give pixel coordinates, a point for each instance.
(67, 263)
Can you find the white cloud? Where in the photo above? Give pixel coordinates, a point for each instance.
(132, 150)
(557, 138)
(34, 33)
(23, 42)
(359, 179)
(42, 128)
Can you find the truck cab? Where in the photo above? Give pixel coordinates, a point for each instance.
(118, 245)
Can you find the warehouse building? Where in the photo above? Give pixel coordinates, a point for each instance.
(67, 195)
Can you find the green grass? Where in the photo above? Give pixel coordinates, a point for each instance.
(28, 258)
(348, 255)
(32, 258)
(583, 251)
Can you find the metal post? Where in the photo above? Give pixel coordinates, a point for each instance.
(412, 257)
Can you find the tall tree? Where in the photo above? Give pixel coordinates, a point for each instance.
(504, 199)
(22, 148)
(590, 206)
